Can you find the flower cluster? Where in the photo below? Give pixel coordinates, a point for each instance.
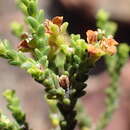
(99, 45)
(56, 30)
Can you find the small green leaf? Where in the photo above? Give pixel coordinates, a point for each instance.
(64, 27)
(32, 8)
(25, 2)
(40, 16)
(38, 53)
(14, 62)
(40, 30)
(33, 22)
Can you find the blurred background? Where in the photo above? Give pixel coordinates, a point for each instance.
(81, 16)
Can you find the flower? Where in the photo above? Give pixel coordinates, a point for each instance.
(27, 43)
(109, 45)
(23, 46)
(92, 36)
(53, 25)
(58, 20)
(92, 50)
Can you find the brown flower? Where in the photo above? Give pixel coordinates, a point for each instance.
(58, 20)
(24, 36)
(23, 44)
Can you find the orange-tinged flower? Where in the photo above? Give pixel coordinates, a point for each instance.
(108, 42)
(92, 50)
(109, 45)
(111, 50)
(92, 36)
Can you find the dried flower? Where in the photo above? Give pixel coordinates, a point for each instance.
(24, 36)
(26, 44)
(58, 20)
(23, 46)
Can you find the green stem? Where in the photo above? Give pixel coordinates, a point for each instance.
(69, 115)
(111, 102)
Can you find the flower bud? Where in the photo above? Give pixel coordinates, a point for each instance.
(64, 81)
(66, 101)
